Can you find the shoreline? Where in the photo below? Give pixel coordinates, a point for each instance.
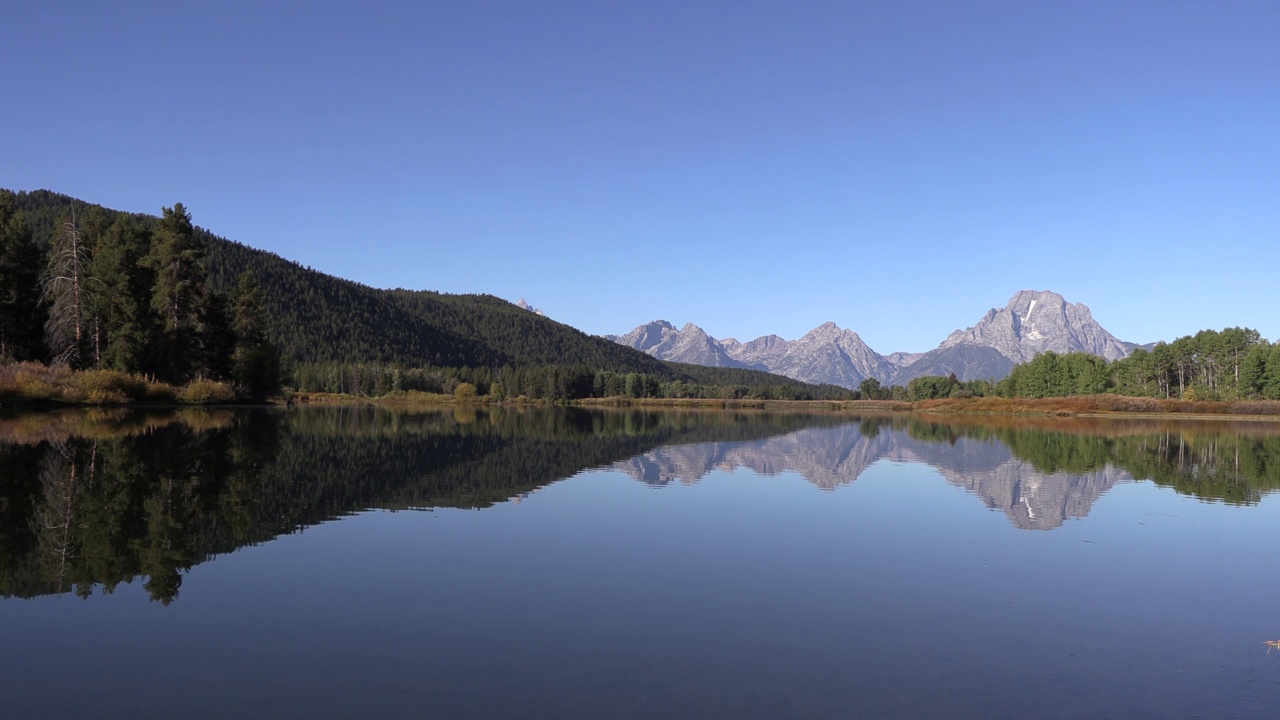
(133, 393)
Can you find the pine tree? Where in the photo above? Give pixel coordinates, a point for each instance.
(121, 322)
(21, 315)
(177, 258)
(256, 361)
(215, 338)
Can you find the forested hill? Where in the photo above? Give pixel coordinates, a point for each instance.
(315, 317)
(318, 318)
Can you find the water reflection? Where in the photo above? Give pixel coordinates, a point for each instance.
(89, 500)
(1040, 472)
(832, 457)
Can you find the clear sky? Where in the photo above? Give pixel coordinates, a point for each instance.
(895, 167)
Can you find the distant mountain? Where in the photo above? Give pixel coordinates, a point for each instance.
(526, 306)
(967, 362)
(759, 353)
(690, 344)
(1032, 322)
(828, 355)
(902, 359)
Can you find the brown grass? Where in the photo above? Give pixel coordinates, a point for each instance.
(31, 383)
(1099, 405)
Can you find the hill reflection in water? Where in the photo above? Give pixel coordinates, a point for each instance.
(93, 499)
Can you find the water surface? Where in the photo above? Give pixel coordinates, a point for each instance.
(348, 562)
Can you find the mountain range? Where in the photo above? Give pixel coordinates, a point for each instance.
(1031, 322)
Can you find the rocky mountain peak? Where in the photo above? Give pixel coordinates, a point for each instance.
(1033, 321)
(690, 344)
(1038, 321)
(691, 328)
(526, 306)
(831, 354)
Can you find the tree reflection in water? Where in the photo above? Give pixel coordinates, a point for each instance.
(92, 499)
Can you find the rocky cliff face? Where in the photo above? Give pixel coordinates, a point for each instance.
(1031, 323)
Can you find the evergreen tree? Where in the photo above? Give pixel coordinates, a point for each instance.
(21, 315)
(215, 339)
(177, 258)
(121, 323)
(256, 361)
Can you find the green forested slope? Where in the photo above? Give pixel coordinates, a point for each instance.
(317, 318)
(314, 317)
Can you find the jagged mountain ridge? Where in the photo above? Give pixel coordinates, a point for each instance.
(1030, 323)
(690, 344)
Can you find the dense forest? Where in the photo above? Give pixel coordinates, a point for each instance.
(333, 334)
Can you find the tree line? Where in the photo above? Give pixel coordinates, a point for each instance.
(1221, 365)
(1225, 365)
(555, 382)
(112, 291)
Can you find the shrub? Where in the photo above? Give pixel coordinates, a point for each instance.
(204, 392)
(108, 387)
(465, 392)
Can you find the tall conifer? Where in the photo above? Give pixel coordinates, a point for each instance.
(177, 258)
(21, 315)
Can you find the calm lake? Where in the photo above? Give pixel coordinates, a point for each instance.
(358, 562)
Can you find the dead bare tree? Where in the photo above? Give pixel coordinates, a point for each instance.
(55, 520)
(65, 286)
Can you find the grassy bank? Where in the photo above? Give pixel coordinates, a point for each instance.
(1100, 405)
(35, 385)
(711, 404)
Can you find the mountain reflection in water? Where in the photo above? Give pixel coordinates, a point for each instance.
(93, 499)
(831, 457)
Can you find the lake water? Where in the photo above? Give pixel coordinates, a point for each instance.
(345, 562)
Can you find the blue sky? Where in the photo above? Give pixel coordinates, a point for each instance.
(895, 167)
